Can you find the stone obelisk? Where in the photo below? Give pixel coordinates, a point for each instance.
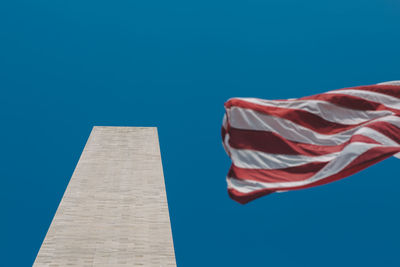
(114, 211)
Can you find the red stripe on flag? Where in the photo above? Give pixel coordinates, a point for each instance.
(270, 142)
(350, 102)
(300, 117)
(297, 173)
(386, 89)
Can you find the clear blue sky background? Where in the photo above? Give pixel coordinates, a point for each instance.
(68, 65)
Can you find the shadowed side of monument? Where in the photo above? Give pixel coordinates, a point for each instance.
(114, 211)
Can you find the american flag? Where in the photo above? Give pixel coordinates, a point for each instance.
(281, 145)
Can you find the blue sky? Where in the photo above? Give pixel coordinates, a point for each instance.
(66, 66)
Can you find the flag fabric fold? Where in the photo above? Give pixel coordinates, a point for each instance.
(282, 145)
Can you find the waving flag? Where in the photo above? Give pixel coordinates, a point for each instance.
(281, 145)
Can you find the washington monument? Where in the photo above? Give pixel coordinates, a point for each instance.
(114, 211)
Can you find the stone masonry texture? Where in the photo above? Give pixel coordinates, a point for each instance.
(114, 211)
